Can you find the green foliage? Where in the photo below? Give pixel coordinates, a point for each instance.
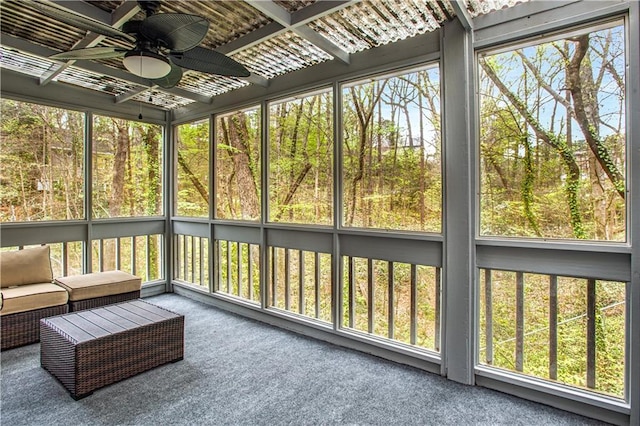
(127, 168)
(192, 146)
(572, 329)
(44, 147)
(522, 92)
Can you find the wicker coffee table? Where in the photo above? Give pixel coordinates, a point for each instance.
(87, 350)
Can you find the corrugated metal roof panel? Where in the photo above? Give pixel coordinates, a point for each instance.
(23, 63)
(161, 99)
(95, 81)
(28, 23)
(354, 28)
(285, 53)
(373, 23)
(209, 85)
(482, 7)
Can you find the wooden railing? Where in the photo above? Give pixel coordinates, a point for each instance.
(567, 332)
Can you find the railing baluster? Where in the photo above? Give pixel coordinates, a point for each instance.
(202, 261)
(274, 275)
(287, 300)
(301, 282)
(148, 256)
(591, 333)
(414, 306)
(218, 284)
(488, 313)
(519, 320)
(239, 250)
(250, 271)
(185, 258)
(193, 259)
(370, 310)
(176, 257)
(65, 260)
(317, 284)
(118, 255)
(100, 255)
(553, 327)
(437, 331)
(133, 256)
(352, 292)
(229, 248)
(391, 300)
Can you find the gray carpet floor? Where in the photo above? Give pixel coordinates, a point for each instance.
(241, 372)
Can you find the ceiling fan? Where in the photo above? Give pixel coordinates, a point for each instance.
(163, 44)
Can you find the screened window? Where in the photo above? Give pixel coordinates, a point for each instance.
(392, 172)
(552, 137)
(192, 163)
(301, 160)
(238, 159)
(127, 168)
(42, 154)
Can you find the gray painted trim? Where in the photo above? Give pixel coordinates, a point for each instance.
(28, 233)
(536, 18)
(238, 233)
(633, 182)
(87, 249)
(130, 227)
(300, 240)
(168, 178)
(390, 249)
(567, 401)
(459, 193)
(600, 265)
(198, 229)
(153, 289)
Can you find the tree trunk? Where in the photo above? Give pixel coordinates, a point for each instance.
(245, 179)
(585, 111)
(573, 171)
(202, 190)
(119, 164)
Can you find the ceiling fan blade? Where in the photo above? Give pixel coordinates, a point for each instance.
(177, 31)
(91, 53)
(171, 79)
(209, 61)
(57, 12)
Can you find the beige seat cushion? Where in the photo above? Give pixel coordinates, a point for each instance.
(99, 284)
(28, 266)
(30, 297)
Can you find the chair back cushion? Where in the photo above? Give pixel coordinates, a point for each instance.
(28, 266)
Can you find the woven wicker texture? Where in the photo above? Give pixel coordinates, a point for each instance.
(79, 305)
(94, 348)
(23, 328)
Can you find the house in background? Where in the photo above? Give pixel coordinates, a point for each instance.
(447, 184)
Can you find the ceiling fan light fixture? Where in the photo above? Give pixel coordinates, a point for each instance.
(146, 64)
